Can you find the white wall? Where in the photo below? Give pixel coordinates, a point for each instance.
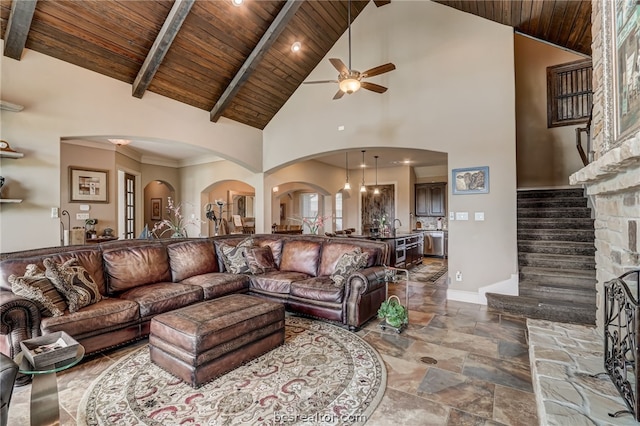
(452, 91)
(63, 100)
(546, 156)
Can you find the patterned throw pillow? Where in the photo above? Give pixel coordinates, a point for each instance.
(36, 287)
(234, 258)
(74, 282)
(347, 264)
(260, 260)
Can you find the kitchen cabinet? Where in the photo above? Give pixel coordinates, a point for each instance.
(406, 250)
(431, 199)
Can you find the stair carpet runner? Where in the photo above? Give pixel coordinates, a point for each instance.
(556, 258)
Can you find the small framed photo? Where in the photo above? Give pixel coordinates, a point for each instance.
(156, 209)
(472, 180)
(88, 185)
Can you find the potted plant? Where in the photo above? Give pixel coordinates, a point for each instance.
(393, 312)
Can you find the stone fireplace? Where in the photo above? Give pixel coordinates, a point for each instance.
(612, 180)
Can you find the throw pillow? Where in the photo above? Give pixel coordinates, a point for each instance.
(347, 264)
(260, 260)
(37, 288)
(234, 258)
(74, 282)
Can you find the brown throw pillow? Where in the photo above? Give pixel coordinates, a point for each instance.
(234, 258)
(260, 260)
(74, 282)
(37, 288)
(347, 264)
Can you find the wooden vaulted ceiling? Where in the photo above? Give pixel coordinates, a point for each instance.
(235, 62)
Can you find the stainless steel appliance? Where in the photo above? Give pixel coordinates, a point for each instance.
(434, 243)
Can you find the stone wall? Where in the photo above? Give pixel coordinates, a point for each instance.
(612, 180)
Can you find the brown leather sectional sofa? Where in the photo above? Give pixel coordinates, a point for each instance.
(144, 278)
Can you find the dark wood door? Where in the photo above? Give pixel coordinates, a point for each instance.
(129, 206)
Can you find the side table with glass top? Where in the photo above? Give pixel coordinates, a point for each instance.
(45, 406)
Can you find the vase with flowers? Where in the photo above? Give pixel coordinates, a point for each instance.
(175, 223)
(313, 223)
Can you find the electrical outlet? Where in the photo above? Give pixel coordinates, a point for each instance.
(54, 212)
(459, 276)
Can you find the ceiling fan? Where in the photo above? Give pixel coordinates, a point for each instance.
(350, 80)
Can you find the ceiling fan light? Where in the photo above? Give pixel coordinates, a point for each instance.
(237, 2)
(350, 85)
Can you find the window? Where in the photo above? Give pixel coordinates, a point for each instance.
(309, 208)
(569, 95)
(339, 211)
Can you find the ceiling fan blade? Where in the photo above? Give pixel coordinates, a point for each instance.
(381, 2)
(339, 65)
(373, 87)
(338, 95)
(320, 81)
(380, 69)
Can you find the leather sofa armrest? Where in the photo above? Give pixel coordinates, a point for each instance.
(19, 320)
(363, 290)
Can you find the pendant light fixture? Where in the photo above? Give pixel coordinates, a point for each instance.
(347, 185)
(362, 187)
(376, 191)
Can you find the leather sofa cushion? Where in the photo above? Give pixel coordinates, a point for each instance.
(260, 260)
(216, 284)
(301, 256)
(317, 289)
(276, 247)
(332, 252)
(276, 281)
(162, 297)
(133, 266)
(190, 258)
(107, 313)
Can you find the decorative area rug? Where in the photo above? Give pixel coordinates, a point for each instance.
(427, 273)
(322, 375)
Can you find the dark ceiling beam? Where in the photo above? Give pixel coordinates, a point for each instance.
(18, 26)
(270, 36)
(161, 45)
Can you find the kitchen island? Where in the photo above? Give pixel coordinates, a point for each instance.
(406, 247)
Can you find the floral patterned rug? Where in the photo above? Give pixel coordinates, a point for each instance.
(322, 375)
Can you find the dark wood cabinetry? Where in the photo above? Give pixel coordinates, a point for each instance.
(431, 199)
(406, 251)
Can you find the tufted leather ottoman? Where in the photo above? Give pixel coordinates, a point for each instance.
(203, 341)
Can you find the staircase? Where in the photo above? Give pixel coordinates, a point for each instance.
(556, 258)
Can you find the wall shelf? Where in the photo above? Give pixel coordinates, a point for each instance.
(11, 154)
(10, 200)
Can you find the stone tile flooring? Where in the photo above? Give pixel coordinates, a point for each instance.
(564, 359)
(481, 374)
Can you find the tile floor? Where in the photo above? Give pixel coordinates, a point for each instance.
(481, 374)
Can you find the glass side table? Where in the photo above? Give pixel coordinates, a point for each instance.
(394, 275)
(45, 406)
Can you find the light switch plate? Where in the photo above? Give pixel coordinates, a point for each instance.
(452, 215)
(82, 216)
(462, 215)
(479, 216)
(54, 212)
(84, 207)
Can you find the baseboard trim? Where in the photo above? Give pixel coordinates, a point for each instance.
(509, 287)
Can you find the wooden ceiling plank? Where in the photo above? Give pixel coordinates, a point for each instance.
(277, 26)
(15, 37)
(536, 12)
(581, 24)
(161, 45)
(573, 7)
(555, 25)
(525, 16)
(515, 13)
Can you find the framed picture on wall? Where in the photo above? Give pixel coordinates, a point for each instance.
(626, 63)
(156, 209)
(472, 180)
(88, 185)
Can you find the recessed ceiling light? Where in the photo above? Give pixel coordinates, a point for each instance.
(295, 47)
(120, 142)
(237, 2)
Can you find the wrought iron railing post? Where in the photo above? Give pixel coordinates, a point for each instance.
(621, 328)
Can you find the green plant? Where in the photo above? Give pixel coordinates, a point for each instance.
(393, 312)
